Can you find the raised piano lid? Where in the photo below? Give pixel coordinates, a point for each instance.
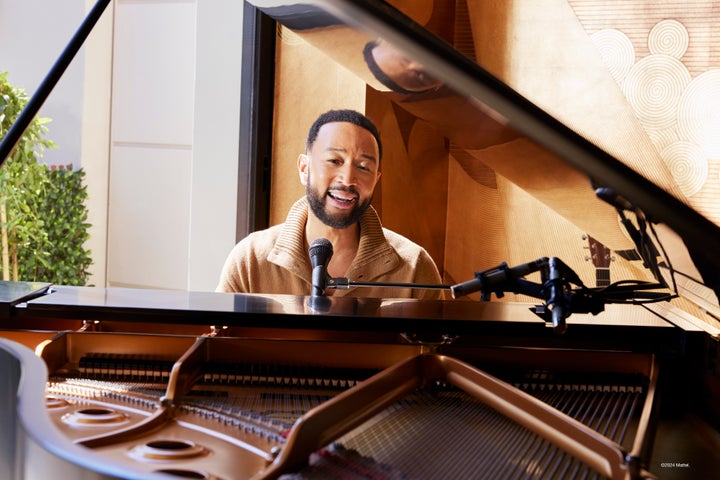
(561, 163)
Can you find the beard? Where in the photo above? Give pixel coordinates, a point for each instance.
(339, 220)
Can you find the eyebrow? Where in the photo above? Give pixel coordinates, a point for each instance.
(342, 150)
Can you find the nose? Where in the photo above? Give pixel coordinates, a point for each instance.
(347, 174)
(414, 66)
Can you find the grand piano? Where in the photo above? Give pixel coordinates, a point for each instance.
(526, 370)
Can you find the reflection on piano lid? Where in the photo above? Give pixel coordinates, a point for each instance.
(625, 327)
(488, 119)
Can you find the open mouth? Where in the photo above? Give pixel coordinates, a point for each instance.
(342, 197)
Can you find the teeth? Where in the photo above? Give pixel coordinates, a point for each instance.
(344, 199)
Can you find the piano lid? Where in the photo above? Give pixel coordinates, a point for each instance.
(544, 140)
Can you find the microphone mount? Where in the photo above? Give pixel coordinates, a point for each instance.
(556, 289)
(321, 251)
(342, 283)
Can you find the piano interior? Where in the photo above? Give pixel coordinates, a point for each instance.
(233, 407)
(159, 384)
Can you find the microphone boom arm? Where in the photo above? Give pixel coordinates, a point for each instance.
(554, 287)
(342, 283)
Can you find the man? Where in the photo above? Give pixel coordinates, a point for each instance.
(397, 71)
(339, 169)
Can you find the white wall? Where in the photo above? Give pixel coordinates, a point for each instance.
(175, 127)
(33, 34)
(215, 140)
(151, 143)
(97, 90)
(158, 103)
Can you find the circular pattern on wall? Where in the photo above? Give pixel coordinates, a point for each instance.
(699, 113)
(663, 138)
(688, 166)
(654, 86)
(616, 50)
(669, 37)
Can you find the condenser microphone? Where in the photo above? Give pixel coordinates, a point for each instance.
(321, 251)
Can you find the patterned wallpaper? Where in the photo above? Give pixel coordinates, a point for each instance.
(665, 55)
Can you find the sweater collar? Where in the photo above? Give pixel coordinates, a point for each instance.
(374, 257)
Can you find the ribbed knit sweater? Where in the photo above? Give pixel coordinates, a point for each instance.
(276, 261)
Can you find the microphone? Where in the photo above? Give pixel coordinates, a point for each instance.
(321, 251)
(557, 303)
(613, 198)
(497, 279)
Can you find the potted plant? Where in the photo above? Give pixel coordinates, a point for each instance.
(43, 217)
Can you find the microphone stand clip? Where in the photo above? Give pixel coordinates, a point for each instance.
(555, 288)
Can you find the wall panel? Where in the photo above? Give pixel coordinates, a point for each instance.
(151, 144)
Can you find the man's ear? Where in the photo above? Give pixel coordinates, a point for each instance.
(303, 164)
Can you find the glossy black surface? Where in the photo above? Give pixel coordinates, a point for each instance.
(620, 327)
(256, 309)
(14, 292)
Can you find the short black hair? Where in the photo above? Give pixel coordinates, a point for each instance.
(351, 116)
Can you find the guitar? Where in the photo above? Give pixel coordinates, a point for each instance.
(600, 256)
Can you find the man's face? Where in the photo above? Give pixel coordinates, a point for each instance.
(340, 173)
(403, 70)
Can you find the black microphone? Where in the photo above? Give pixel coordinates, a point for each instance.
(321, 251)
(557, 303)
(496, 279)
(613, 198)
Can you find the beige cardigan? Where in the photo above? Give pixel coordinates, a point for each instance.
(275, 260)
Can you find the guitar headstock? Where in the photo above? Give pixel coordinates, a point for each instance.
(599, 254)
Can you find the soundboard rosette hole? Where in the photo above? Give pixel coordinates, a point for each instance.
(192, 474)
(96, 416)
(52, 402)
(168, 450)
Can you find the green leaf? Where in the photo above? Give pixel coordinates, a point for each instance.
(46, 212)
